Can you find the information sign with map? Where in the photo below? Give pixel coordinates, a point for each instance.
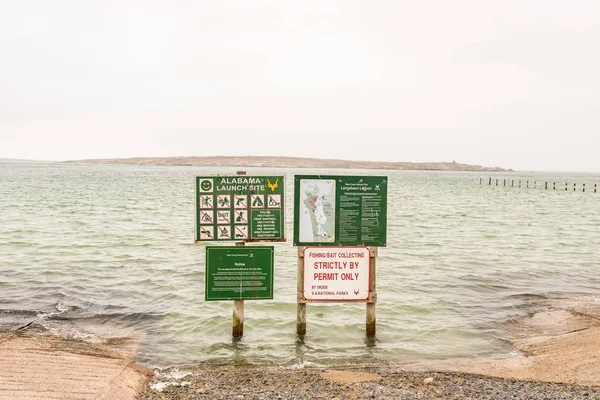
(240, 208)
(340, 210)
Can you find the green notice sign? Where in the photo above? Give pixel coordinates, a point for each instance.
(240, 208)
(239, 273)
(340, 210)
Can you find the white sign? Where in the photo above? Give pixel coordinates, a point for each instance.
(336, 273)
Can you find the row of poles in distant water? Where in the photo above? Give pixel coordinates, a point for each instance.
(512, 184)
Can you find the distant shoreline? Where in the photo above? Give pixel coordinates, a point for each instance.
(291, 162)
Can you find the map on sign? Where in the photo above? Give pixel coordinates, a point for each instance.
(340, 210)
(317, 215)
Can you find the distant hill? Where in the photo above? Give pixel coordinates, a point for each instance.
(290, 162)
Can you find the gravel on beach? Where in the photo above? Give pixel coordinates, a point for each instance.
(378, 382)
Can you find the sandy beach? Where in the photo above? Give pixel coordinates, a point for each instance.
(556, 357)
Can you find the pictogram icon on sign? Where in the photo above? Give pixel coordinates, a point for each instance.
(206, 185)
(223, 217)
(223, 201)
(223, 232)
(206, 233)
(241, 232)
(240, 201)
(274, 201)
(206, 201)
(241, 216)
(206, 217)
(257, 200)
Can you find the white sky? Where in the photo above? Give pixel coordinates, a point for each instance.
(499, 83)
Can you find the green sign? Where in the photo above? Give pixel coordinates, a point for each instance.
(240, 208)
(239, 273)
(340, 210)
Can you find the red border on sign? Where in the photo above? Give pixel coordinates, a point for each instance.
(324, 248)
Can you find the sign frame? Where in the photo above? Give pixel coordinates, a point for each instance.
(225, 272)
(359, 211)
(224, 212)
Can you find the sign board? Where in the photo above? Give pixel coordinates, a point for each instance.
(240, 208)
(336, 274)
(340, 210)
(239, 273)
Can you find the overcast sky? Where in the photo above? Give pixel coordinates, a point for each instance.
(498, 83)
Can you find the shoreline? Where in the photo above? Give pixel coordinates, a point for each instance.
(558, 358)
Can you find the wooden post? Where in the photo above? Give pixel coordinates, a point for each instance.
(496, 181)
(595, 184)
(237, 327)
(519, 183)
(371, 322)
(553, 185)
(490, 181)
(566, 186)
(512, 183)
(528, 184)
(480, 181)
(300, 304)
(584, 187)
(504, 182)
(574, 186)
(546, 185)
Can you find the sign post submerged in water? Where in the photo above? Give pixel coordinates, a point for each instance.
(342, 215)
(243, 209)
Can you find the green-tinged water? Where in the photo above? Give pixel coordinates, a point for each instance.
(100, 252)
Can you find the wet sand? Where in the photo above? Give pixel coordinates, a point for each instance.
(557, 356)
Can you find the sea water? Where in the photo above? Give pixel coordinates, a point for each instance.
(106, 253)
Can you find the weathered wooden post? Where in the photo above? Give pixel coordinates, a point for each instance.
(237, 327)
(371, 317)
(496, 181)
(490, 181)
(546, 187)
(505, 182)
(595, 187)
(553, 185)
(584, 187)
(512, 183)
(519, 183)
(528, 184)
(300, 302)
(574, 187)
(566, 186)
(480, 181)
